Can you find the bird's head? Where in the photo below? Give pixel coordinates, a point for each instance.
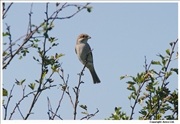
(83, 38)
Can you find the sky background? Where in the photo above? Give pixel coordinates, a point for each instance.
(121, 35)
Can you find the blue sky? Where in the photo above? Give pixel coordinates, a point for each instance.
(121, 35)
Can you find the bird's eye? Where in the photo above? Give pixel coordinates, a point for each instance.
(83, 36)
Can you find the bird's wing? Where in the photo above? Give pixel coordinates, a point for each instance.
(90, 55)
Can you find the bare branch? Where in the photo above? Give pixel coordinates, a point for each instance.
(61, 98)
(90, 115)
(68, 17)
(29, 25)
(4, 13)
(17, 104)
(6, 106)
(76, 89)
(20, 112)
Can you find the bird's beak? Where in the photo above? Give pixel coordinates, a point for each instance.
(89, 37)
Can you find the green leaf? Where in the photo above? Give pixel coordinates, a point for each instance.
(3, 101)
(20, 82)
(32, 25)
(5, 92)
(130, 82)
(46, 35)
(155, 62)
(133, 88)
(20, 57)
(162, 57)
(89, 9)
(36, 40)
(57, 4)
(164, 61)
(122, 77)
(5, 53)
(158, 117)
(52, 39)
(83, 107)
(171, 43)
(168, 51)
(55, 44)
(5, 34)
(63, 88)
(32, 86)
(167, 74)
(59, 55)
(44, 74)
(84, 113)
(37, 81)
(175, 70)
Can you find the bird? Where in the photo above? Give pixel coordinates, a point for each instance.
(84, 54)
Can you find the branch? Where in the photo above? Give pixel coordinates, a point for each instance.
(139, 90)
(68, 17)
(4, 13)
(64, 89)
(49, 108)
(17, 104)
(90, 115)
(20, 112)
(24, 42)
(172, 51)
(29, 25)
(10, 40)
(77, 88)
(29, 36)
(70, 97)
(9, 98)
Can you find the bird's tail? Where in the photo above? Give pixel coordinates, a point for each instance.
(94, 76)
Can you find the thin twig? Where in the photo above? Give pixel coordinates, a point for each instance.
(10, 39)
(77, 88)
(68, 17)
(29, 24)
(49, 108)
(139, 90)
(17, 104)
(90, 115)
(4, 13)
(169, 60)
(70, 97)
(20, 112)
(6, 106)
(29, 36)
(61, 98)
